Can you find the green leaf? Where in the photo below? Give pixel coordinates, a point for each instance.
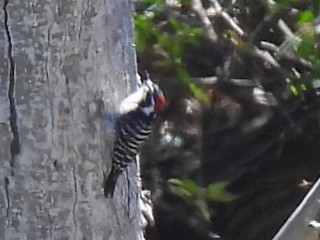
(164, 42)
(163, 63)
(176, 24)
(195, 32)
(217, 192)
(153, 1)
(306, 47)
(185, 2)
(187, 185)
(203, 208)
(175, 181)
(183, 74)
(144, 32)
(306, 16)
(293, 90)
(176, 51)
(181, 192)
(199, 93)
(303, 87)
(283, 3)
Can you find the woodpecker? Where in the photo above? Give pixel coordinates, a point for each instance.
(137, 113)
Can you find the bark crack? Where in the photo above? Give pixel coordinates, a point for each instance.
(80, 21)
(50, 99)
(6, 188)
(15, 143)
(75, 201)
(74, 174)
(49, 83)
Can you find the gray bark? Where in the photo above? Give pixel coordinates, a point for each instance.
(63, 64)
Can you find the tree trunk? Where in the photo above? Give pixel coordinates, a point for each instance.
(64, 63)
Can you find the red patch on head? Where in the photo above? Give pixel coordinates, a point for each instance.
(160, 103)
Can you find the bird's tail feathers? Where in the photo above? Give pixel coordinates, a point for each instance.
(110, 183)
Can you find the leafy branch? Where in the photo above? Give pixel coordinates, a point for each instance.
(200, 197)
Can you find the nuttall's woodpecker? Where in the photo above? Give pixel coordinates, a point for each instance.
(137, 113)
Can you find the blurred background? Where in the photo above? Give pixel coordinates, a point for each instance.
(237, 147)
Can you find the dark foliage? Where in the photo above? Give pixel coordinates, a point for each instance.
(260, 132)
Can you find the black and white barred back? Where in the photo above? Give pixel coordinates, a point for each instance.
(132, 128)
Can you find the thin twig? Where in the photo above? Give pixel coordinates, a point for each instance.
(199, 9)
(207, 80)
(269, 46)
(219, 10)
(266, 56)
(286, 30)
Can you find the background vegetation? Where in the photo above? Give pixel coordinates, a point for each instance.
(237, 147)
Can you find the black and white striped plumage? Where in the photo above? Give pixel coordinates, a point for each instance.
(137, 113)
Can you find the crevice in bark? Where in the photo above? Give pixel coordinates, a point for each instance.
(15, 143)
(74, 175)
(48, 82)
(75, 201)
(69, 99)
(51, 94)
(50, 99)
(6, 188)
(129, 191)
